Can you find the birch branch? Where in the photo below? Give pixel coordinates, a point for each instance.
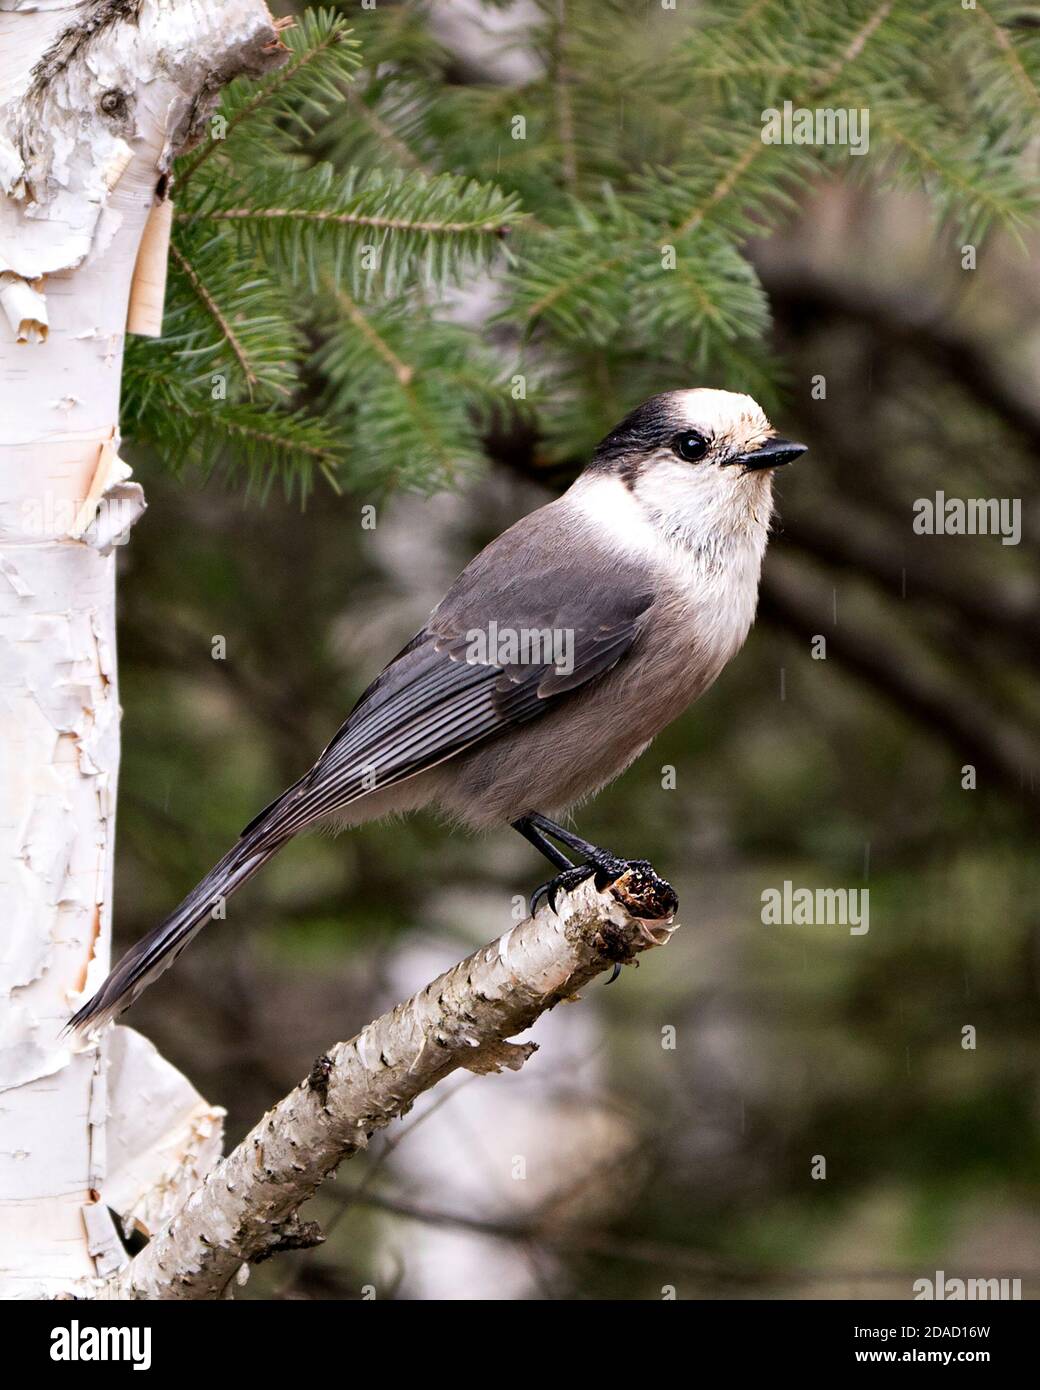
(246, 1208)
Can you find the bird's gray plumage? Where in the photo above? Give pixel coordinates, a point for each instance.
(654, 590)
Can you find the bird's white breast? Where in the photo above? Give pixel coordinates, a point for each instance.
(615, 518)
(705, 550)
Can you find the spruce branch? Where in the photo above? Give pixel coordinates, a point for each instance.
(268, 446)
(411, 391)
(313, 37)
(1009, 56)
(855, 47)
(225, 313)
(983, 198)
(213, 309)
(386, 136)
(494, 227)
(756, 148)
(172, 413)
(400, 369)
(584, 272)
(413, 229)
(753, 150)
(751, 12)
(237, 422)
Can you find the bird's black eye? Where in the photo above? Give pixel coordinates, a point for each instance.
(690, 446)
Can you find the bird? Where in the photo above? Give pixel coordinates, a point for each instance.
(554, 659)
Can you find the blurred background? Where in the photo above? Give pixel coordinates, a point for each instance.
(666, 1135)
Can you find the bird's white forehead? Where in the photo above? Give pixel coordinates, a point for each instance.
(723, 413)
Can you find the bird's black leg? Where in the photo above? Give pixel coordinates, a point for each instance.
(530, 833)
(600, 863)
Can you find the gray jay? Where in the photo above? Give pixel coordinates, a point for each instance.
(548, 667)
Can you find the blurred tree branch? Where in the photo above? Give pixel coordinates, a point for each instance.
(850, 542)
(801, 296)
(247, 1208)
(969, 726)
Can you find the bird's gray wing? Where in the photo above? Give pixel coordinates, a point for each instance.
(442, 693)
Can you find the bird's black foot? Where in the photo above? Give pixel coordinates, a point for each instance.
(562, 882)
(643, 892)
(605, 869)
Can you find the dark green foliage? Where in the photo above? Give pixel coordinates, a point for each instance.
(600, 204)
(267, 239)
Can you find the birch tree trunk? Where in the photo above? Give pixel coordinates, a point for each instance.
(95, 99)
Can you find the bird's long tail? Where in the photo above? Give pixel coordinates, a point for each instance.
(157, 951)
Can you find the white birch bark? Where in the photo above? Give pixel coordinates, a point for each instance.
(94, 100)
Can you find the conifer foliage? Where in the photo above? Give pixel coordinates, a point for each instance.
(391, 245)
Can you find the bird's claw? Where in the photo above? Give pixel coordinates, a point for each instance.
(563, 882)
(604, 870)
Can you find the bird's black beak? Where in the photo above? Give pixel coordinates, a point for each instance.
(774, 453)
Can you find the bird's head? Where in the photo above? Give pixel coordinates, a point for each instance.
(698, 461)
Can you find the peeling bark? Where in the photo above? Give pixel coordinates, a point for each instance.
(246, 1207)
(95, 99)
